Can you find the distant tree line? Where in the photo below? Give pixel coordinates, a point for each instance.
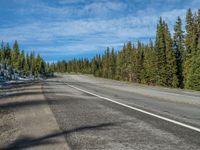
(170, 61)
(27, 64)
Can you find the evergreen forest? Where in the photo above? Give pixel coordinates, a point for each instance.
(171, 60)
(23, 63)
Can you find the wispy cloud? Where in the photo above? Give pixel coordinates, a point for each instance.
(134, 27)
(77, 27)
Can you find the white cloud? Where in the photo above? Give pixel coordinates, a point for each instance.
(103, 8)
(134, 27)
(88, 33)
(49, 31)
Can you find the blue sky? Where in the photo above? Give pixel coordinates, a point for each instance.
(64, 29)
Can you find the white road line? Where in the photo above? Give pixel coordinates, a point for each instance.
(140, 110)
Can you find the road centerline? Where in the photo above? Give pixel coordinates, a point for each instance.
(138, 109)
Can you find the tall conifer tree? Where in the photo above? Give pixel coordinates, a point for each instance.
(178, 44)
(160, 48)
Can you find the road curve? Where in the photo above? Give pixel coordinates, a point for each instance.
(89, 121)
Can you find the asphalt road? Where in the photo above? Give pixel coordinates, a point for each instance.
(89, 121)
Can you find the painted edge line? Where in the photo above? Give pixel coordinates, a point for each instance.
(139, 110)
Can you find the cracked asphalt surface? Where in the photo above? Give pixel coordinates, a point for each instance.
(89, 122)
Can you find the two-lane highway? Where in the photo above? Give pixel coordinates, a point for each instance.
(103, 114)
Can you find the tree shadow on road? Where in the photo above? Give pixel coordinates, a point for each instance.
(18, 85)
(27, 141)
(26, 93)
(23, 104)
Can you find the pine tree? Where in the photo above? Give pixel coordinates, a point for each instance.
(193, 81)
(94, 64)
(160, 48)
(139, 62)
(149, 64)
(119, 64)
(3, 55)
(198, 32)
(7, 54)
(106, 63)
(1, 52)
(19, 62)
(189, 31)
(190, 43)
(124, 64)
(171, 65)
(32, 63)
(178, 44)
(166, 59)
(193, 62)
(38, 65)
(112, 64)
(27, 65)
(15, 55)
(129, 67)
(22, 57)
(99, 61)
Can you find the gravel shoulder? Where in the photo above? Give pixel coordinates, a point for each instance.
(26, 121)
